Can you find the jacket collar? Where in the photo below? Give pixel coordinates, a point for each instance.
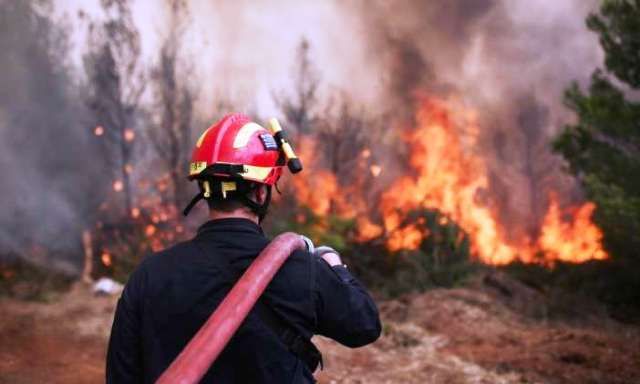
(232, 224)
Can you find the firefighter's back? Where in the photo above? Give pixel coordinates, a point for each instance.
(176, 290)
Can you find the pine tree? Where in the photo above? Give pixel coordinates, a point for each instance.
(603, 147)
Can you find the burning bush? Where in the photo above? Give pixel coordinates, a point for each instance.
(445, 175)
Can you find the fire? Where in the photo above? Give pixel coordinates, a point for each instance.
(106, 259)
(153, 217)
(129, 135)
(446, 176)
(450, 178)
(368, 230)
(408, 237)
(118, 185)
(149, 230)
(375, 170)
(573, 241)
(321, 192)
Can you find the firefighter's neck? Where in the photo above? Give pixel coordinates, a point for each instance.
(240, 213)
(259, 196)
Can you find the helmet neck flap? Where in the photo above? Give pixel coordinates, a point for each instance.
(221, 189)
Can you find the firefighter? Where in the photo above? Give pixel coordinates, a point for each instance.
(171, 294)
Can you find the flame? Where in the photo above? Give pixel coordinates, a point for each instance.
(445, 175)
(149, 230)
(106, 259)
(368, 230)
(450, 178)
(153, 216)
(409, 237)
(375, 170)
(118, 185)
(129, 135)
(575, 241)
(319, 189)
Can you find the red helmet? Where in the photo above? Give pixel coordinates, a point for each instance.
(239, 148)
(235, 152)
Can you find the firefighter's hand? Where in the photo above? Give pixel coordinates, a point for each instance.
(328, 254)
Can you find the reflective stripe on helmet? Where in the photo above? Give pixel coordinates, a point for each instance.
(247, 172)
(201, 138)
(244, 134)
(196, 167)
(253, 172)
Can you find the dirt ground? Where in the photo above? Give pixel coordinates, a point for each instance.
(453, 336)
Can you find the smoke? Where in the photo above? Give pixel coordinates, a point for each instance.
(510, 61)
(44, 154)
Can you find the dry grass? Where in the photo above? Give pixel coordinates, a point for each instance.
(466, 335)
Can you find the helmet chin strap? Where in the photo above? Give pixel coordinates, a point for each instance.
(193, 203)
(258, 209)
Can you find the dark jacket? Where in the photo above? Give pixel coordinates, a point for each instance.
(173, 292)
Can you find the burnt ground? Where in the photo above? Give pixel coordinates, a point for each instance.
(464, 335)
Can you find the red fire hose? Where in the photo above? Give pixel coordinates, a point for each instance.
(203, 349)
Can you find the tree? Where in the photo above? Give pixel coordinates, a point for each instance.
(603, 147)
(174, 99)
(536, 159)
(115, 79)
(44, 150)
(299, 109)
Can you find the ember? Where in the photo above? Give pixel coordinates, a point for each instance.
(106, 259)
(375, 170)
(129, 135)
(118, 185)
(149, 230)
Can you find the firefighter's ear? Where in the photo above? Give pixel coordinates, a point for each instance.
(261, 194)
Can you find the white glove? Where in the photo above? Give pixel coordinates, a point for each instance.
(309, 243)
(328, 254)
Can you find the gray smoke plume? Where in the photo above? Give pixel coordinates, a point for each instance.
(47, 173)
(509, 60)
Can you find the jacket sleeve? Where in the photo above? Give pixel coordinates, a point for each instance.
(124, 355)
(345, 311)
